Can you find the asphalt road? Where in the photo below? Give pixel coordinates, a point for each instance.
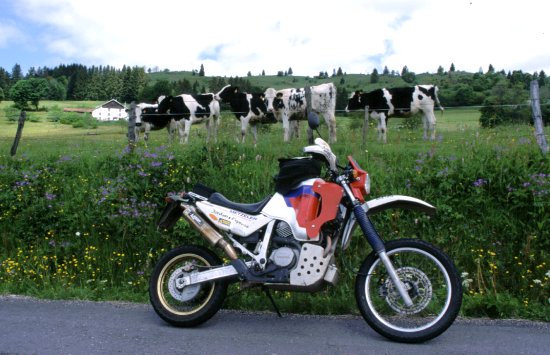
(31, 326)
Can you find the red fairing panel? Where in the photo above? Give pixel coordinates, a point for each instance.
(330, 194)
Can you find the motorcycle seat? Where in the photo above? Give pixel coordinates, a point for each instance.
(249, 208)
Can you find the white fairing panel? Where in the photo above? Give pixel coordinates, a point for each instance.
(278, 208)
(234, 221)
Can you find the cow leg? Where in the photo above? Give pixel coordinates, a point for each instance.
(382, 128)
(429, 124)
(286, 128)
(294, 129)
(255, 133)
(184, 136)
(215, 124)
(244, 127)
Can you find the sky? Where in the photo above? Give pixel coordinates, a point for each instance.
(234, 37)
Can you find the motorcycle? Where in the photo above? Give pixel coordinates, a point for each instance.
(407, 289)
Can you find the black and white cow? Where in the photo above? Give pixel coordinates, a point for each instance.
(399, 102)
(248, 108)
(289, 106)
(148, 119)
(187, 110)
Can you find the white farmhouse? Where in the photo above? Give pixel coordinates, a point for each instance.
(110, 111)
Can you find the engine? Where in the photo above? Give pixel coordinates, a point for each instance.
(286, 249)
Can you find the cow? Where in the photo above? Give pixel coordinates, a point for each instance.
(187, 110)
(248, 109)
(289, 106)
(398, 102)
(148, 119)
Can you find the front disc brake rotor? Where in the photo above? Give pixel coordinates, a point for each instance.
(418, 287)
(185, 293)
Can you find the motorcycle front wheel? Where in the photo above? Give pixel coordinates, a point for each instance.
(431, 280)
(190, 305)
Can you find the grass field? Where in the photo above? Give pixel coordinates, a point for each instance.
(78, 212)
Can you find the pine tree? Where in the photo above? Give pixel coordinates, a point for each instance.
(16, 73)
(374, 77)
(201, 71)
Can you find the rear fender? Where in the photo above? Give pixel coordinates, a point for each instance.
(380, 204)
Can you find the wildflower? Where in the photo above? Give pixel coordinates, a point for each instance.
(479, 182)
(77, 234)
(548, 273)
(537, 281)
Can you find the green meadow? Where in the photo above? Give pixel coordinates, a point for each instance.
(78, 209)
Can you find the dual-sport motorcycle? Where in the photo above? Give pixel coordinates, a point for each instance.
(406, 289)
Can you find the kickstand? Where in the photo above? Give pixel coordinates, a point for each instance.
(266, 290)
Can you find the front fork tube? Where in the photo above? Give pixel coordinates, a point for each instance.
(377, 244)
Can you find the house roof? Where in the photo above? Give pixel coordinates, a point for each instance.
(79, 110)
(112, 104)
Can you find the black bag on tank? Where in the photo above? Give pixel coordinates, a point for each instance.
(295, 170)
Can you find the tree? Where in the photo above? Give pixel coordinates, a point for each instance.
(201, 71)
(263, 72)
(386, 71)
(32, 90)
(339, 72)
(542, 78)
(289, 71)
(440, 70)
(374, 77)
(452, 68)
(491, 69)
(408, 76)
(1, 95)
(16, 73)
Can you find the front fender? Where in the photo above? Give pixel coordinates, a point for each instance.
(397, 201)
(385, 203)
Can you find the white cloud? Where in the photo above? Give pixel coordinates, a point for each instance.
(231, 38)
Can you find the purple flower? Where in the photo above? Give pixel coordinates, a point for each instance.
(155, 164)
(50, 196)
(479, 182)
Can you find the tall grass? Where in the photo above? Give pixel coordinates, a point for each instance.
(78, 209)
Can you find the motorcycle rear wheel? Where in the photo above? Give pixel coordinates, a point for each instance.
(191, 305)
(432, 281)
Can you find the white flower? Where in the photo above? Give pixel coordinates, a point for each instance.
(548, 273)
(464, 274)
(77, 234)
(537, 281)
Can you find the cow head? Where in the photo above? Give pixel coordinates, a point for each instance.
(227, 93)
(164, 104)
(258, 106)
(355, 102)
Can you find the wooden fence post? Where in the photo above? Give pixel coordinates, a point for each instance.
(20, 126)
(308, 110)
(537, 117)
(132, 126)
(365, 125)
